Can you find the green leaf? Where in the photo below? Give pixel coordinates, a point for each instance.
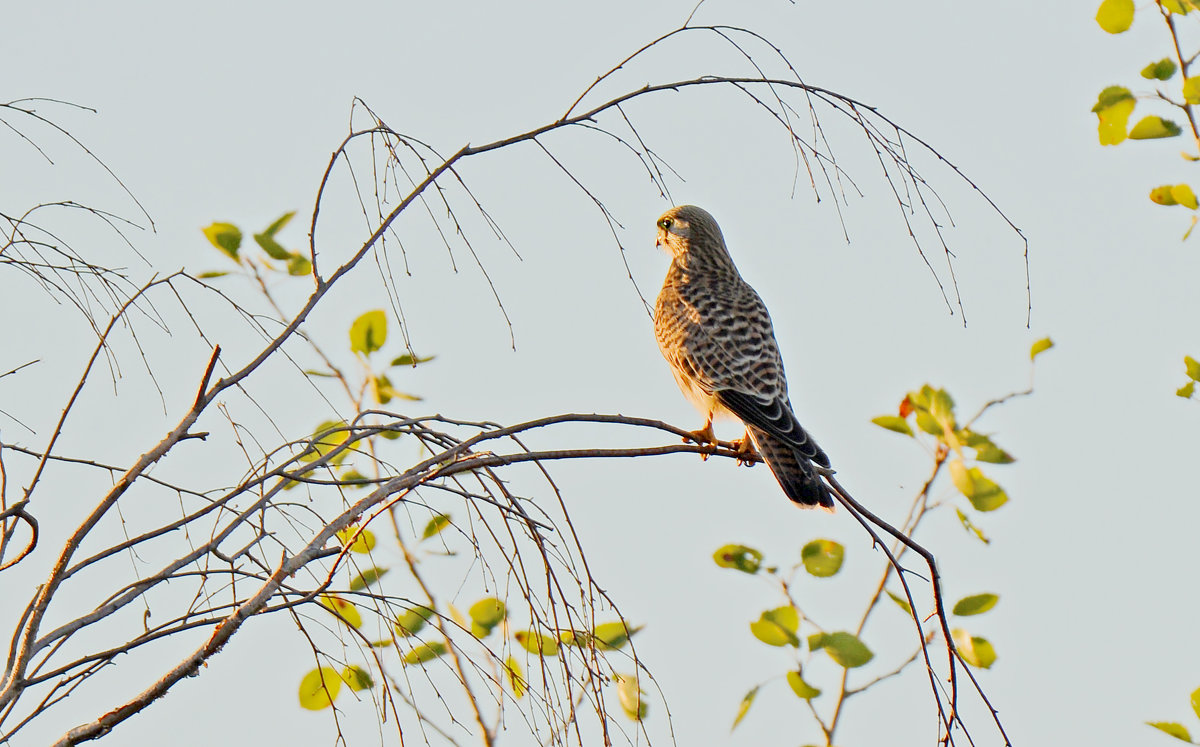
(1162, 70)
(941, 407)
(226, 237)
(893, 423)
(537, 643)
(630, 695)
(1113, 108)
(1186, 390)
(921, 403)
(976, 651)
(485, 615)
(272, 247)
(409, 360)
(1154, 127)
(1115, 16)
(353, 477)
(319, 687)
(435, 526)
(1191, 367)
(777, 627)
(822, 557)
(927, 423)
(993, 454)
(984, 494)
(613, 635)
(212, 274)
(367, 577)
(426, 652)
(1112, 96)
(744, 707)
(739, 557)
(1040, 347)
(368, 332)
(970, 527)
(384, 391)
(1183, 195)
(345, 611)
(976, 604)
(362, 542)
(985, 449)
(1179, 731)
(800, 687)
(357, 678)
(411, 622)
(842, 647)
(920, 399)
(278, 224)
(298, 264)
(900, 601)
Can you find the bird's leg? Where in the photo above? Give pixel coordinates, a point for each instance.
(704, 436)
(747, 455)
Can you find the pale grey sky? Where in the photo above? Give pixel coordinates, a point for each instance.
(229, 111)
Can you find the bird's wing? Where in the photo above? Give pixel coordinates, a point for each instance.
(795, 473)
(730, 353)
(775, 418)
(720, 337)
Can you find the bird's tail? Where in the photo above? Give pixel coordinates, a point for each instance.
(795, 472)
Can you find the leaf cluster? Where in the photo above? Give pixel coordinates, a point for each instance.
(929, 416)
(1115, 104)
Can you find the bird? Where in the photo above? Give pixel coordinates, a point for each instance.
(716, 334)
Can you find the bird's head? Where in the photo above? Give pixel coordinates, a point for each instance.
(687, 228)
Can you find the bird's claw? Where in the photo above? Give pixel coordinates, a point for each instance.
(703, 437)
(747, 455)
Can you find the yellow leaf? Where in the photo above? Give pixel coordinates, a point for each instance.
(346, 611)
(1191, 90)
(1040, 347)
(357, 678)
(976, 651)
(1184, 195)
(368, 332)
(631, 697)
(1115, 16)
(516, 679)
(1175, 6)
(1162, 195)
(319, 687)
(1113, 113)
(360, 542)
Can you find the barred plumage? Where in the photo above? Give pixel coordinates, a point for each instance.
(716, 334)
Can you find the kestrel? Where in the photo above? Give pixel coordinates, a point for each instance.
(717, 335)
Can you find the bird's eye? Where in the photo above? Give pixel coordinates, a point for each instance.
(665, 224)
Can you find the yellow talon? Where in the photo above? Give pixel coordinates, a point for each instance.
(747, 455)
(704, 437)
